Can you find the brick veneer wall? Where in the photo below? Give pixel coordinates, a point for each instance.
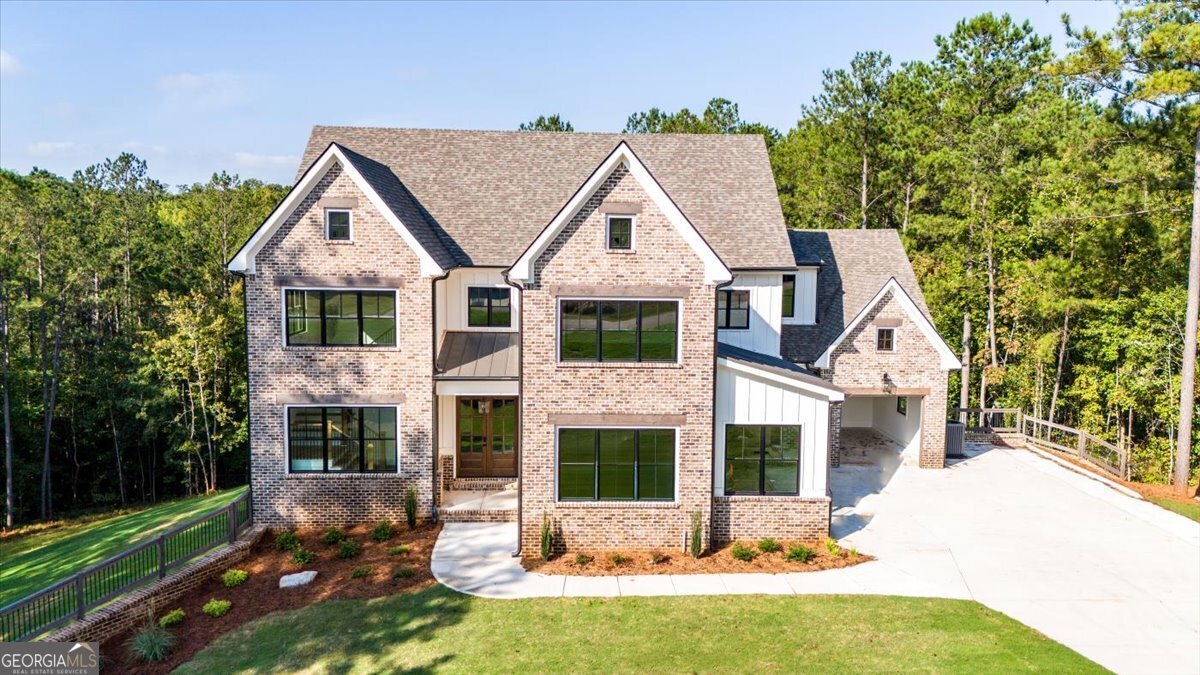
(279, 375)
(578, 256)
(835, 434)
(755, 517)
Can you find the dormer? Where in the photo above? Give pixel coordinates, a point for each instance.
(800, 297)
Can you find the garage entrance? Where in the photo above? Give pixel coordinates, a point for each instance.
(875, 428)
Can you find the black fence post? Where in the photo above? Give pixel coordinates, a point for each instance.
(161, 545)
(80, 599)
(232, 513)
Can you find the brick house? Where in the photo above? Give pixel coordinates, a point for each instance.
(612, 332)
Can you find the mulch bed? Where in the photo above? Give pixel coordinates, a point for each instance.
(261, 595)
(720, 561)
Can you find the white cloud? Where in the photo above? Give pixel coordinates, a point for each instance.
(139, 146)
(64, 110)
(250, 160)
(9, 65)
(205, 89)
(48, 148)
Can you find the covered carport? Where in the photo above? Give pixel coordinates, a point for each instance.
(878, 425)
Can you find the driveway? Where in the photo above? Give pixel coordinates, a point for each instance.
(1113, 577)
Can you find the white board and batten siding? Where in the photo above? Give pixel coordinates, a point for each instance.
(766, 311)
(806, 298)
(743, 398)
(452, 298)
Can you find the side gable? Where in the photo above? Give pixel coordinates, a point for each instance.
(244, 260)
(716, 271)
(948, 360)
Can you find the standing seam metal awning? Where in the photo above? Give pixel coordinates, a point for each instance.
(478, 355)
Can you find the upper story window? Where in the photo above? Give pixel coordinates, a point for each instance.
(619, 330)
(336, 317)
(341, 439)
(762, 459)
(489, 307)
(619, 233)
(733, 309)
(337, 224)
(789, 295)
(616, 464)
(885, 339)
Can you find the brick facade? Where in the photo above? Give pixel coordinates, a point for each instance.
(755, 517)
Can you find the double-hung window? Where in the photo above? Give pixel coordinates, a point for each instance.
(762, 459)
(789, 295)
(334, 318)
(616, 464)
(619, 233)
(733, 309)
(619, 330)
(341, 439)
(489, 307)
(337, 224)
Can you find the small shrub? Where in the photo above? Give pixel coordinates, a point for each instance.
(217, 608)
(287, 541)
(410, 508)
(853, 553)
(302, 556)
(361, 572)
(742, 552)
(769, 545)
(382, 531)
(404, 572)
(151, 643)
(831, 545)
(233, 578)
(172, 618)
(658, 557)
(583, 559)
(547, 538)
(398, 550)
(618, 560)
(800, 553)
(348, 549)
(695, 540)
(333, 536)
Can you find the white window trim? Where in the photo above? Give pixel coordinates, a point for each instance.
(466, 311)
(616, 503)
(287, 439)
(895, 334)
(629, 364)
(632, 232)
(283, 317)
(349, 228)
(749, 290)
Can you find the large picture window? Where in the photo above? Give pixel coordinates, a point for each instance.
(341, 439)
(616, 464)
(489, 307)
(762, 459)
(733, 309)
(328, 318)
(618, 330)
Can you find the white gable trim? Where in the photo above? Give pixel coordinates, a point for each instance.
(947, 359)
(244, 260)
(715, 270)
(830, 393)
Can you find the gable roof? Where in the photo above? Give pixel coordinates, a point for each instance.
(492, 192)
(855, 266)
(715, 270)
(379, 186)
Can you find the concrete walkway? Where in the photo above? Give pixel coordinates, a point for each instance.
(1113, 577)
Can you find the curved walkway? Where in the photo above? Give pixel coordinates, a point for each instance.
(1113, 577)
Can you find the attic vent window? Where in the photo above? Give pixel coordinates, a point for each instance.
(337, 224)
(620, 233)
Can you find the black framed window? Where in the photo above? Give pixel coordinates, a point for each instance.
(618, 330)
(489, 307)
(337, 224)
(325, 318)
(616, 464)
(762, 459)
(885, 339)
(789, 295)
(620, 233)
(733, 309)
(902, 405)
(341, 439)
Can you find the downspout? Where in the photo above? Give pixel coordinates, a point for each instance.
(713, 461)
(433, 387)
(520, 406)
(249, 426)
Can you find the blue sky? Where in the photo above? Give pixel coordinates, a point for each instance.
(196, 88)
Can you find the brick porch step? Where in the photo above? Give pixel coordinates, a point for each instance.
(484, 484)
(478, 516)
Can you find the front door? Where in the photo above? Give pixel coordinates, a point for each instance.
(487, 437)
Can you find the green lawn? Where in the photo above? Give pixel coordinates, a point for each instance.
(439, 629)
(1189, 510)
(31, 562)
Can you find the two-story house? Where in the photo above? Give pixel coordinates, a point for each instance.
(617, 329)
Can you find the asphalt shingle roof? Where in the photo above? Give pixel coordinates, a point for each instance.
(773, 364)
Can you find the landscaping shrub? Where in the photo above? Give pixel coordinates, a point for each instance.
(800, 553)
(658, 557)
(769, 545)
(831, 545)
(853, 553)
(583, 559)
(233, 578)
(410, 508)
(404, 572)
(302, 556)
(382, 531)
(742, 552)
(151, 643)
(618, 560)
(286, 541)
(333, 536)
(398, 550)
(547, 538)
(361, 572)
(696, 539)
(348, 549)
(217, 608)
(172, 618)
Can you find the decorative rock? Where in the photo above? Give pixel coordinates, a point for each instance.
(298, 579)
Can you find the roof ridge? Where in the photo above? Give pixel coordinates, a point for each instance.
(513, 132)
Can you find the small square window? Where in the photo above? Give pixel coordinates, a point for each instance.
(620, 233)
(337, 225)
(885, 339)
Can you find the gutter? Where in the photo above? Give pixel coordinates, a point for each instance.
(520, 408)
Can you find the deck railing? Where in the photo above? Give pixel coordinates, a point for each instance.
(73, 598)
(1000, 420)
(1109, 457)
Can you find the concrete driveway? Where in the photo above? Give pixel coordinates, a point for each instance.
(1113, 577)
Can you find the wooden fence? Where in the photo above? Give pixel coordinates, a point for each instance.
(73, 598)
(1109, 457)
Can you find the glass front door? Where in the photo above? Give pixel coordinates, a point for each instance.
(487, 437)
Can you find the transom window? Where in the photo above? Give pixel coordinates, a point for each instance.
(616, 464)
(341, 439)
(789, 295)
(331, 318)
(619, 330)
(620, 233)
(489, 307)
(762, 459)
(733, 309)
(885, 339)
(337, 224)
